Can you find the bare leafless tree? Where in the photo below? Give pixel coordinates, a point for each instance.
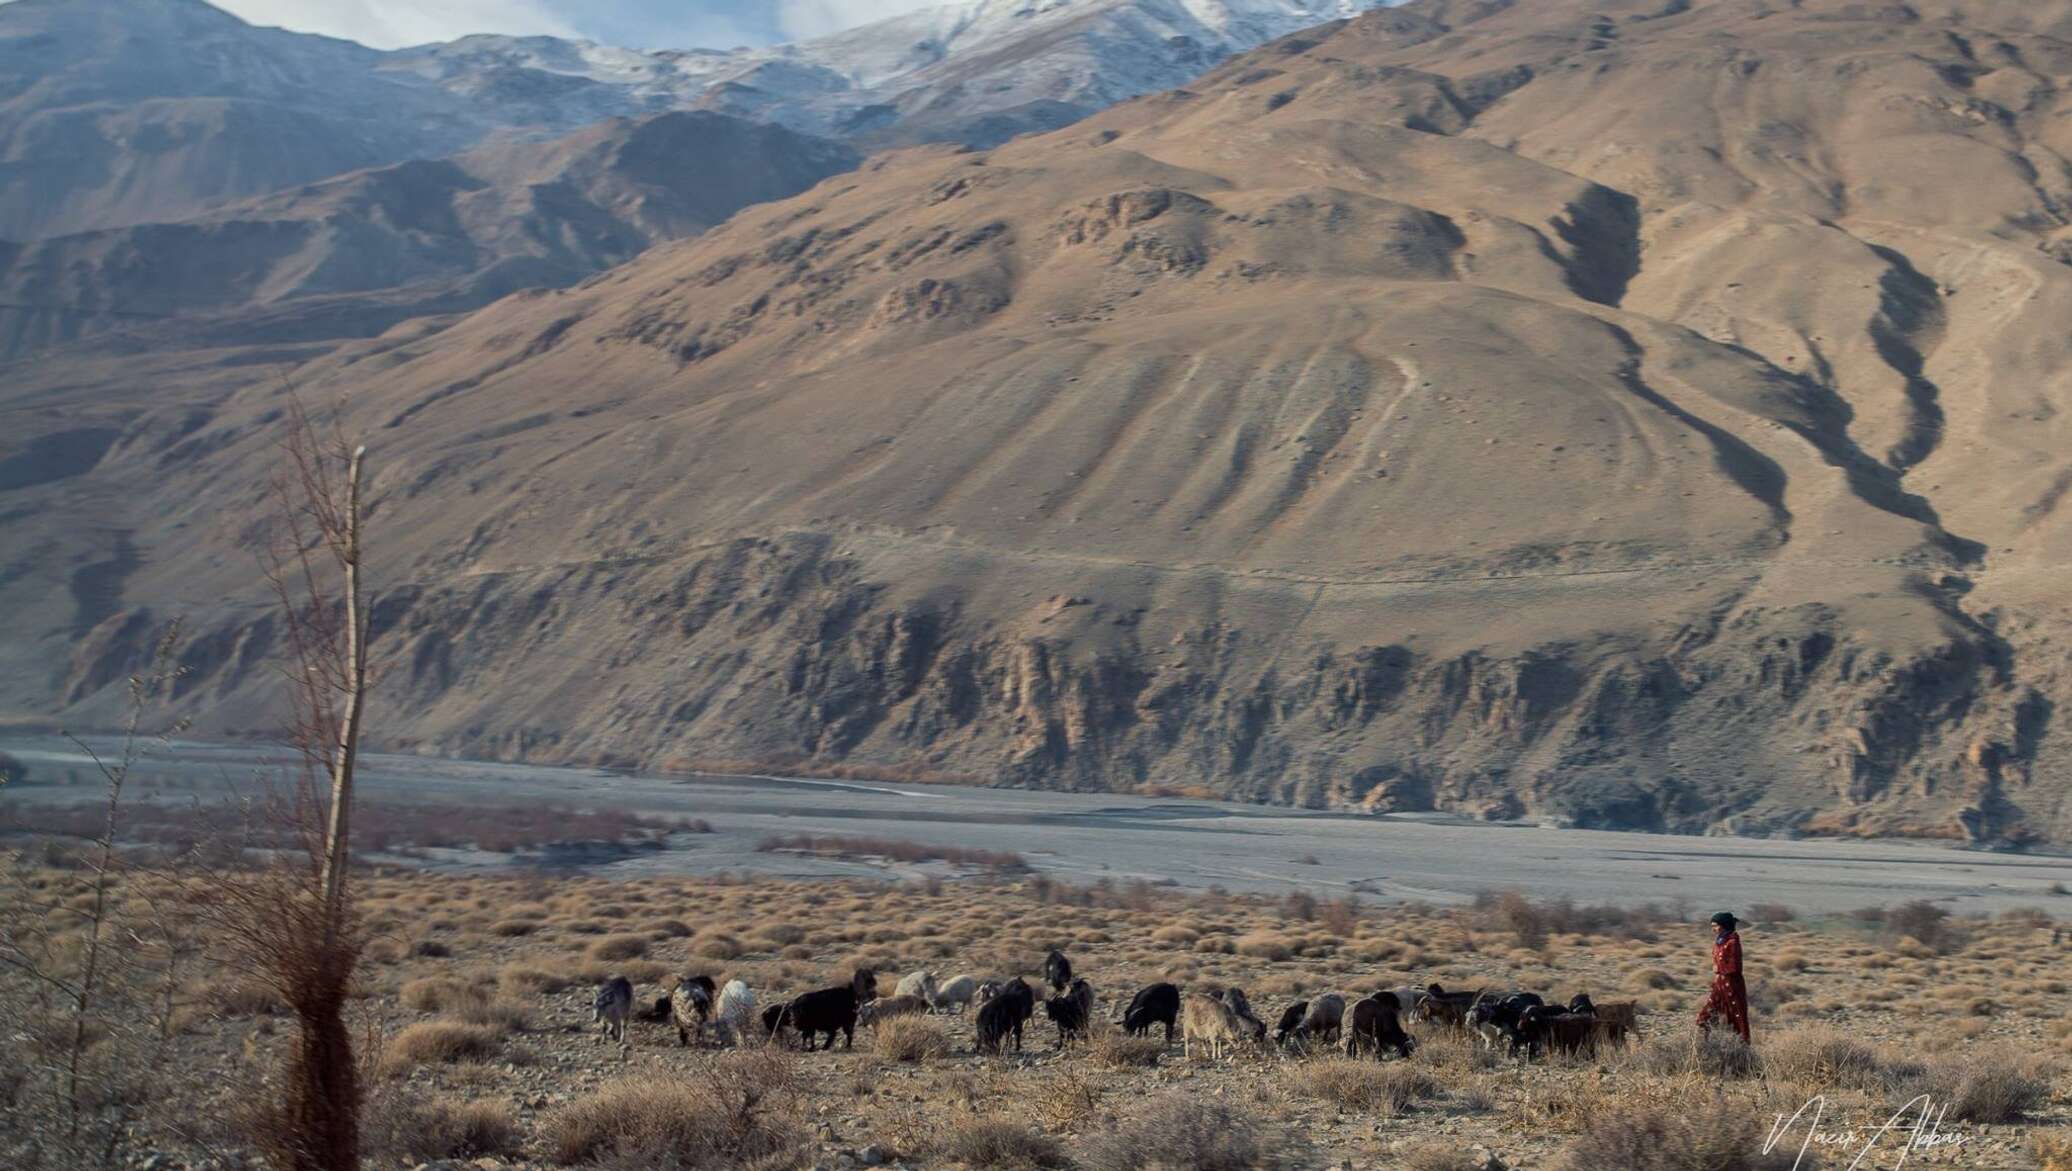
(105, 981)
(293, 920)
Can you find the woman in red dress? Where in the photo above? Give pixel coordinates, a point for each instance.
(1729, 996)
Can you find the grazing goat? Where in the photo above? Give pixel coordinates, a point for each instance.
(1496, 1018)
(1004, 1014)
(887, 1008)
(1210, 1022)
(832, 1010)
(1057, 971)
(921, 984)
(1376, 1025)
(1325, 1019)
(1556, 1030)
(1616, 1020)
(1291, 1022)
(1072, 1011)
(1250, 1022)
(1438, 1005)
(954, 995)
(734, 1013)
(690, 1007)
(614, 1003)
(1153, 1004)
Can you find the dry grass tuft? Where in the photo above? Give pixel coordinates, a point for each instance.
(1373, 1087)
(977, 1141)
(1718, 1138)
(618, 947)
(1979, 1088)
(439, 1042)
(1111, 1048)
(909, 1039)
(530, 980)
(740, 1113)
(1264, 945)
(440, 1128)
(1180, 1132)
(1822, 1058)
(440, 994)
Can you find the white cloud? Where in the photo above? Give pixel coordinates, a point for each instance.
(813, 18)
(391, 24)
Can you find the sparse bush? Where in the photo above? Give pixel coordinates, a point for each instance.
(909, 1039)
(1822, 1058)
(1715, 1055)
(1264, 945)
(740, 1112)
(440, 1128)
(1179, 1132)
(1115, 1049)
(1663, 1138)
(618, 947)
(1977, 1089)
(978, 1141)
(1369, 1086)
(440, 1042)
(440, 994)
(530, 980)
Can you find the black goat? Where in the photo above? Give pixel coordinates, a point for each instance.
(1057, 971)
(1071, 1012)
(1376, 1025)
(1005, 1014)
(832, 1010)
(1153, 1004)
(1291, 1021)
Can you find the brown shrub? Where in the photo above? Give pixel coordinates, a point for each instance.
(1373, 1087)
(1114, 1049)
(909, 1039)
(1182, 1132)
(440, 1042)
(439, 1128)
(440, 994)
(1821, 1058)
(1662, 1138)
(530, 980)
(1977, 1088)
(1264, 945)
(978, 1141)
(618, 947)
(740, 1112)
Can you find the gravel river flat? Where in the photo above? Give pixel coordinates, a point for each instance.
(1082, 837)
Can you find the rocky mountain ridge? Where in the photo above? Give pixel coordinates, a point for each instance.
(1609, 414)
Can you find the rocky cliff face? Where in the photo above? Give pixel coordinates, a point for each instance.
(1395, 418)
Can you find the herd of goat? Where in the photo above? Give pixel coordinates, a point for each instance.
(1216, 1021)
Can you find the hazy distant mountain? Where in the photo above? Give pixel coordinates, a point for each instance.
(121, 112)
(351, 255)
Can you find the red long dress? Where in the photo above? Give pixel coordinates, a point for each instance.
(1729, 996)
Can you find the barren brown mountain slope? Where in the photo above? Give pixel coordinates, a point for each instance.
(1634, 414)
(353, 255)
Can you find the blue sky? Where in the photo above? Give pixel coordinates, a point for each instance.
(646, 24)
